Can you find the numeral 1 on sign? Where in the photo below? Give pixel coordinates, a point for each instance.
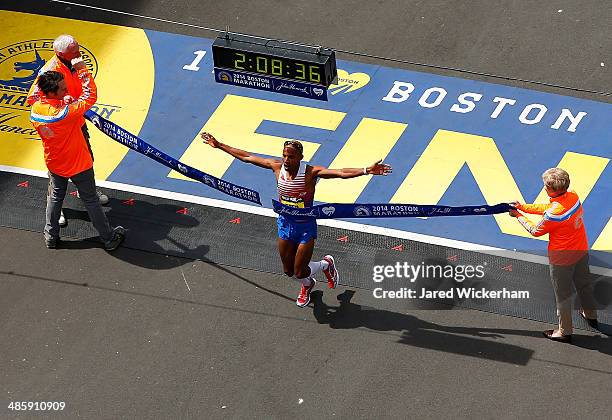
(194, 64)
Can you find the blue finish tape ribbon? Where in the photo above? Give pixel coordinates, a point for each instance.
(361, 211)
(126, 138)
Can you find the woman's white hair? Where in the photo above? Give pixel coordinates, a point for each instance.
(556, 179)
(63, 42)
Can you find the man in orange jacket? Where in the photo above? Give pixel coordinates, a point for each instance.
(66, 48)
(58, 118)
(567, 249)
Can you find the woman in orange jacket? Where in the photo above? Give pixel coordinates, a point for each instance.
(567, 249)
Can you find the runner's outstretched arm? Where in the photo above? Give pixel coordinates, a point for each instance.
(377, 168)
(242, 155)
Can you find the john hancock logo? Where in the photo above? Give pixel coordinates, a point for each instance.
(19, 66)
(349, 82)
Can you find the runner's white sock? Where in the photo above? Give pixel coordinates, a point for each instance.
(307, 281)
(317, 266)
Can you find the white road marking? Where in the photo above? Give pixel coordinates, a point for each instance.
(186, 284)
(135, 15)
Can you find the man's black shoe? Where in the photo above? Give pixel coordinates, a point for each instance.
(116, 240)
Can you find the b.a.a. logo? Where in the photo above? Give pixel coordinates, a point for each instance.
(20, 64)
(124, 91)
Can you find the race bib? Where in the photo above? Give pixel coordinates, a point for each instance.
(292, 201)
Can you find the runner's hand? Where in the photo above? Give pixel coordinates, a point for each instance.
(379, 168)
(210, 140)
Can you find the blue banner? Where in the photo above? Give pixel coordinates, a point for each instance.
(272, 84)
(351, 211)
(128, 139)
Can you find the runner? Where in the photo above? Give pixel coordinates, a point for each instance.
(296, 183)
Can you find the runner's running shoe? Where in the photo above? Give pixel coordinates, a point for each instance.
(304, 296)
(331, 273)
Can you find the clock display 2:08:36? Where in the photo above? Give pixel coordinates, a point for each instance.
(278, 67)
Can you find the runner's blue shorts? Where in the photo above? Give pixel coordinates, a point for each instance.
(298, 232)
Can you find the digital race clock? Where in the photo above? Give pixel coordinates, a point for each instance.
(276, 59)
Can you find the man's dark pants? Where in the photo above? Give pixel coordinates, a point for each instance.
(86, 186)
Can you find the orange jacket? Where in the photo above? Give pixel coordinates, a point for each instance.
(563, 221)
(59, 127)
(73, 84)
